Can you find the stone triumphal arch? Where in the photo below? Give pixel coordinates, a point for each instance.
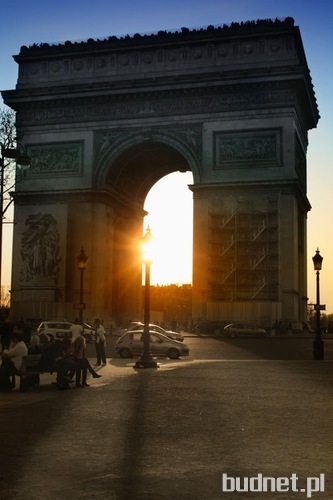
(103, 120)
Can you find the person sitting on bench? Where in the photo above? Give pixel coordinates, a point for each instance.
(12, 361)
(33, 347)
(57, 357)
(65, 363)
(79, 352)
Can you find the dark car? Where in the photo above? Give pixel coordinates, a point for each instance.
(244, 329)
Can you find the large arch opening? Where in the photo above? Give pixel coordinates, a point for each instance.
(139, 167)
(169, 207)
(130, 178)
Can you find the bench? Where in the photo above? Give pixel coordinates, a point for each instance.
(30, 369)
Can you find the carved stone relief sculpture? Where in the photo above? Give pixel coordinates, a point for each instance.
(40, 249)
(176, 103)
(240, 149)
(56, 159)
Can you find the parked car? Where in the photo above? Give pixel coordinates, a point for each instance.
(209, 327)
(61, 330)
(131, 344)
(137, 325)
(243, 329)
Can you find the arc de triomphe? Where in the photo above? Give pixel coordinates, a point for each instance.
(104, 120)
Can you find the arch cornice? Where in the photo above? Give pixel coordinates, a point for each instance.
(163, 36)
(111, 144)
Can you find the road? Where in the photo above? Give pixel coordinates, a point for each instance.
(277, 348)
(240, 407)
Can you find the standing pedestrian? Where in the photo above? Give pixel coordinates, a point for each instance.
(100, 343)
(76, 329)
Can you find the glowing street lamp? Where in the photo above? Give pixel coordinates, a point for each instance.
(318, 343)
(82, 260)
(146, 360)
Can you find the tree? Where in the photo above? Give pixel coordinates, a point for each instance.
(5, 303)
(8, 145)
(7, 141)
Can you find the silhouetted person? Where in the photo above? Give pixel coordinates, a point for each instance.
(6, 330)
(12, 360)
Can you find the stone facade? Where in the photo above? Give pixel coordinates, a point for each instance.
(104, 120)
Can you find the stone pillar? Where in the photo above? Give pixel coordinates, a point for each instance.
(200, 254)
(293, 259)
(127, 276)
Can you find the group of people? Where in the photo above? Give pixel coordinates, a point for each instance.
(65, 357)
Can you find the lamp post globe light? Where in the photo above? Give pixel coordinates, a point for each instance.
(82, 265)
(318, 343)
(146, 360)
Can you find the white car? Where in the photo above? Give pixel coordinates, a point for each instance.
(131, 344)
(61, 330)
(137, 325)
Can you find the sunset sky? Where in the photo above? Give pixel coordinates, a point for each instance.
(25, 22)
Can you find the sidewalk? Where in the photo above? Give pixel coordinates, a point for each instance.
(171, 432)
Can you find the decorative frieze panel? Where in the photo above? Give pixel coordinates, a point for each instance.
(40, 249)
(138, 60)
(243, 149)
(56, 159)
(154, 105)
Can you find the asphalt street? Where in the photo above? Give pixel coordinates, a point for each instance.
(234, 407)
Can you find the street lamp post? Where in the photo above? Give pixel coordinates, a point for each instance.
(318, 343)
(21, 159)
(146, 360)
(82, 263)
